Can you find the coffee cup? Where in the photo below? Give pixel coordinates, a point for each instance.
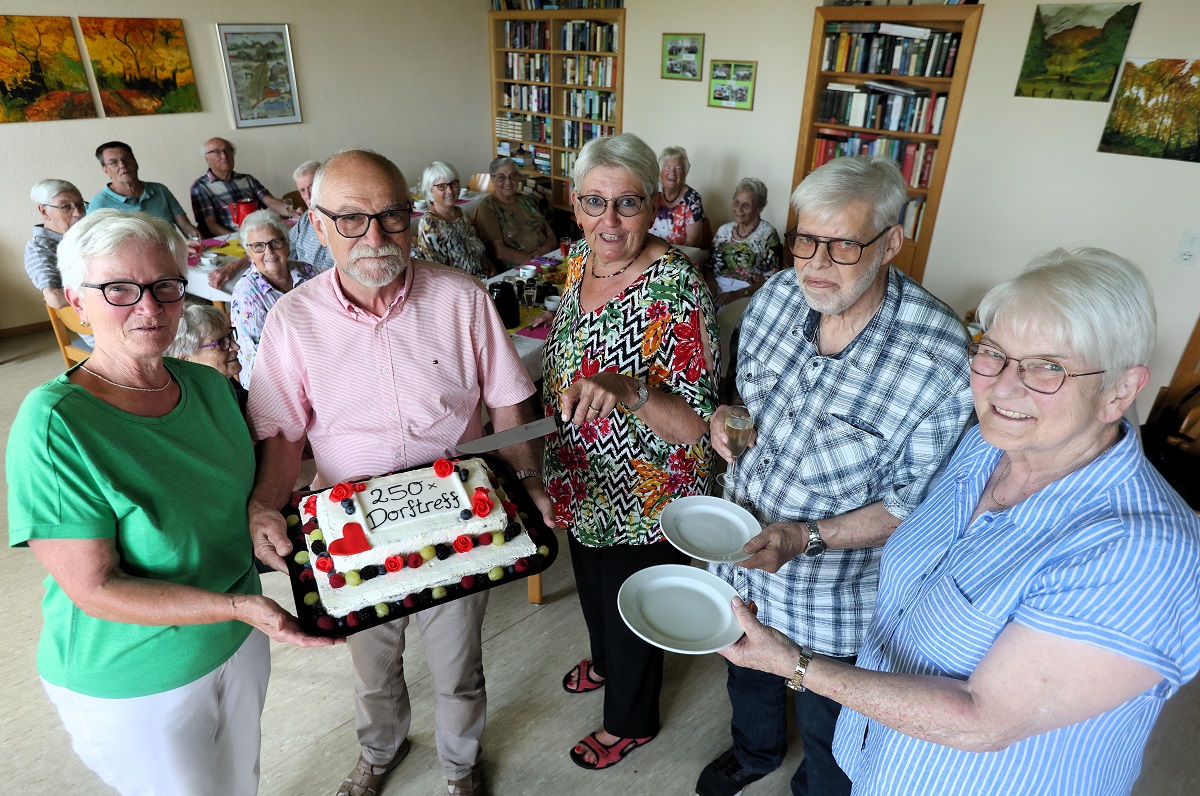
(528, 271)
(551, 303)
(462, 193)
(420, 204)
(208, 259)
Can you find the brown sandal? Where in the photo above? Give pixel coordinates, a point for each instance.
(582, 675)
(367, 779)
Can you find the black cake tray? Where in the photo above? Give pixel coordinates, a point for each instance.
(367, 618)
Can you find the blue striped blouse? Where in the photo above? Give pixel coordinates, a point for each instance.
(1108, 555)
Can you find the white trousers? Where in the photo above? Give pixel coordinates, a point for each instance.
(201, 739)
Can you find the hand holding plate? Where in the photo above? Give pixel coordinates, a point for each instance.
(762, 648)
(778, 544)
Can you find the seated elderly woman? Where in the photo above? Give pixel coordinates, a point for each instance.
(445, 235)
(679, 218)
(205, 336)
(60, 205)
(1043, 602)
(509, 222)
(154, 644)
(265, 238)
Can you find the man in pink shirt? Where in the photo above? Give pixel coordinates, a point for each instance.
(381, 363)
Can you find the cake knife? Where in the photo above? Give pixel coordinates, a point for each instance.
(522, 433)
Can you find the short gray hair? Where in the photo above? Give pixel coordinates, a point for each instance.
(625, 151)
(226, 141)
(755, 188)
(843, 181)
(101, 232)
(1091, 301)
(44, 191)
(675, 153)
(437, 170)
(197, 323)
(263, 218)
(501, 162)
(307, 167)
(367, 155)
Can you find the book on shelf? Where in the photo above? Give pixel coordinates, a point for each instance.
(535, 99)
(915, 158)
(588, 70)
(872, 106)
(520, 35)
(905, 31)
(589, 104)
(579, 34)
(527, 66)
(547, 5)
(929, 54)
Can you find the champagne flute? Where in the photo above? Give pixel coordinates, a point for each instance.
(739, 426)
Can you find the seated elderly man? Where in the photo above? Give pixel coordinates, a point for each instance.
(60, 205)
(127, 193)
(509, 222)
(221, 186)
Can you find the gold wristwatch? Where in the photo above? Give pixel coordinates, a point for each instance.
(797, 681)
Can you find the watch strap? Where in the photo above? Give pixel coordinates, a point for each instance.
(642, 397)
(797, 681)
(530, 472)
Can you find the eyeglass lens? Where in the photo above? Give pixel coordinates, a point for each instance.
(595, 205)
(125, 294)
(842, 252)
(261, 246)
(452, 185)
(1040, 375)
(355, 225)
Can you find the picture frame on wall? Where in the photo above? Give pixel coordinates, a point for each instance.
(682, 56)
(260, 74)
(731, 84)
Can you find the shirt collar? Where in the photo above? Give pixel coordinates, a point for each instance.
(111, 194)
(40, 231)
(233, 175)
(867, 346)
(358, 313)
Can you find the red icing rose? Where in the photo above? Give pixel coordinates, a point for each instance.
(510, 508)
(415, 560)
(482, 506)
(463, 544)
(442, 468)
(310, 504)
(360, 487)
(394, 563)
(337, 580)
(340, 492)
(324, 563)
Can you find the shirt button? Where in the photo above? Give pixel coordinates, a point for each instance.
(396, 454)
(392, 413)
(384, 371)
(791, 414)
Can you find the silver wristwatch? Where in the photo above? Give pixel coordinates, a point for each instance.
(816, 545)
(643, 396)
(796, 683)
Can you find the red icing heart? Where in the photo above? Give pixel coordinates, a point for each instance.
(354, 540)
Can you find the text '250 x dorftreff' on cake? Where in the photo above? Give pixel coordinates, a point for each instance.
(391, 543)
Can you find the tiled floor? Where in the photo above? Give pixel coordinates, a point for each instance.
(308, 733)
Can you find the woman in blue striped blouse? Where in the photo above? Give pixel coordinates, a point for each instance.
(1043, 602)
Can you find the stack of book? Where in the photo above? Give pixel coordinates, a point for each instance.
(588, 70)
(517, 128)
(885, 48)
(526, 35)
(588, 104)
(883, 105)
(566, 163)
(589, 36)
(540, 5)
(541, 159)
(915, 158)
(537, 187)
(527, 98)
(576, 134)
(527, 66)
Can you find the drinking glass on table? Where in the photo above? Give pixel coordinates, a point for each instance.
(564, 246)
(739, 427)
(194, 247)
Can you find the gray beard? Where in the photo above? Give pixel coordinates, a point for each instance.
(842, 301)
(389, 270)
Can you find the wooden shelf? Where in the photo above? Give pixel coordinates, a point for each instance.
(963, 20)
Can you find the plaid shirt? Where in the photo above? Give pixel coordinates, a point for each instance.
(306, 246)
(873, 423)
(211, 196)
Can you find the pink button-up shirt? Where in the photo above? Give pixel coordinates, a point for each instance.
(377, 394)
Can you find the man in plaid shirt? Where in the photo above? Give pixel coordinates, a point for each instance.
(857, 380)
(221, 185)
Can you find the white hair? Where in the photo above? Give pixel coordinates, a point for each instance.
(1093, 302)
(434, 172)
(45, 191)
(102, 232)
(367, 155)
(846, 180)
(755, 188)
(204, 146)
(675, 153)
(197, 323)
(307, 167)
(263, 218)
(625, 151)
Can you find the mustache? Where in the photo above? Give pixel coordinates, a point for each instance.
(364, 250)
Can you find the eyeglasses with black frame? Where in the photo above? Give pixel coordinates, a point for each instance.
(355, 225)
(505, 177)
(224, 343)
(595, 205)
(258, 247)
(70, 207)
(126, 294)
(842, 251)
(453, 186)
(1039, 374)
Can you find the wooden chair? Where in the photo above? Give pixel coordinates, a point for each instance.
(480, 182)
(1186, 376)
(297, 200)
(63, 322)
(706, 234)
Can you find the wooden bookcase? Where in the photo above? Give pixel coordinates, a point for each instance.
(961, 20)
(555, 88)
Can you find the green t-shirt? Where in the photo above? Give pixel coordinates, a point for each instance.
(171, 491)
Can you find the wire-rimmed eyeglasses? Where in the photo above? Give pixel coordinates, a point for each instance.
(1037, 373)
(224, 343)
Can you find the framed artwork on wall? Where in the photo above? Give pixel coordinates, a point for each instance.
(260, 74)
(682, 56)
(142, 66)
(731, 84)
(41, 73)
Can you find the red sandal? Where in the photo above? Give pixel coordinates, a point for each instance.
(605, 756)
(581, 674)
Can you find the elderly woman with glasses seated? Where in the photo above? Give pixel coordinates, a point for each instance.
(128, 478)
(1041, 605)
(630, 367)
(205, 337)
(265, 238)
(60, 205)
(445, 235)
(509, 221)
(679, 217)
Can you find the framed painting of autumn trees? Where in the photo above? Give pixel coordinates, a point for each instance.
(41, 75)
(1157, 111)
(142, 66)
(1075, 49)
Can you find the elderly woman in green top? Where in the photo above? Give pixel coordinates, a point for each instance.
(630, 366)
(128, 478)
(509, 222)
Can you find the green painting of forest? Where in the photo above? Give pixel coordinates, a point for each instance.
(41, 75)
(1157, 111)
(1074, 50)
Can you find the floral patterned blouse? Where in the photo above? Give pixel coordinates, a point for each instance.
(611, 478)
(671, 223)
(452, 243)
(749, 259)
(253, 298)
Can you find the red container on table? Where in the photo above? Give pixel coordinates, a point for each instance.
(240, 209)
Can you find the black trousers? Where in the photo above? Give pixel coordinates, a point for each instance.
(633, 669)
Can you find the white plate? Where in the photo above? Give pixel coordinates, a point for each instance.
(709, 528)
(680, 609)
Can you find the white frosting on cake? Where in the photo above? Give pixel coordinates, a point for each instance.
(401, 513)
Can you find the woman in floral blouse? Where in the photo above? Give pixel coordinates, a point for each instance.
(445, 235)
(630, 367)
(679, 217)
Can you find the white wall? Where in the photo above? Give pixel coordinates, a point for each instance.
(403, 78)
